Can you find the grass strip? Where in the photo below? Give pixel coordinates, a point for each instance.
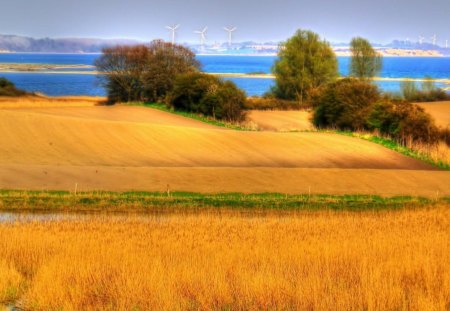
(182, 201)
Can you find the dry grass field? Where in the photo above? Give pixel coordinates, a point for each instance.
(69, 142)
(440, 111)
(386, 260)
(281, 121)
(46, 102)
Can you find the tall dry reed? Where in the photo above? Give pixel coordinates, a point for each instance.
(307, 261)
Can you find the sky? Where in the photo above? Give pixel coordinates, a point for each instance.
(380, 21)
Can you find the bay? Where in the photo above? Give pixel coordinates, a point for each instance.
(88, 84)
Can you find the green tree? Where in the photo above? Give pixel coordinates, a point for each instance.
(305, 62)
(366, 63)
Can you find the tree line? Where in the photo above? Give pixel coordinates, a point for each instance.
(306, 73)
(168, 73)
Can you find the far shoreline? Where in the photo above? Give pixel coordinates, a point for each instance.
(219, 74)
(216, 54)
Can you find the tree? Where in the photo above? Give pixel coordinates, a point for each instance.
(305, 62)
(366, 63)
(165, 63)
(123, 67)
(143, 72)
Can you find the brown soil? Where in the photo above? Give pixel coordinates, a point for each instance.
(135, 148)
(440, 111)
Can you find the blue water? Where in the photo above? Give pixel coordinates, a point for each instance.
(64, 59)
(69, 84)
(57, 84)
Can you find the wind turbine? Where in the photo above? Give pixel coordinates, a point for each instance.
(433, 39)
(202, 34)
(173, 29)
(230, 34)
(421, 38)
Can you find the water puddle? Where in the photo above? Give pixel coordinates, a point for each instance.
(10, 217)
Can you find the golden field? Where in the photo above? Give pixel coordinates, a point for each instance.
(385, 260)
(282, 121)
(440, 111)
(68, 143)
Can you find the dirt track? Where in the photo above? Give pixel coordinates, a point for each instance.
(135, 148)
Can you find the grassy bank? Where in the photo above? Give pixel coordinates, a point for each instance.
(305, 261)
(177, 201)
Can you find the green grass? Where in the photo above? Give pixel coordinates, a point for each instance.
(182, 201)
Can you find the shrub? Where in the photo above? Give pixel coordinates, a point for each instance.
(428, 92)
(345, 104)
(208, 95)
(444, 135)
(7, 88)
(273, 103)
(409, 90)
(403, 121)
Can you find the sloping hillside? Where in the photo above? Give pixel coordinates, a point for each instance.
(136, 148)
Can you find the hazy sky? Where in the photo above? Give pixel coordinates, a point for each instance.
(261, 20)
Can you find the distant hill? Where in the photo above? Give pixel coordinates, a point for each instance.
(12, 43)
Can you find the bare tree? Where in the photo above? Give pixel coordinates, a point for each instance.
(143, 72)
